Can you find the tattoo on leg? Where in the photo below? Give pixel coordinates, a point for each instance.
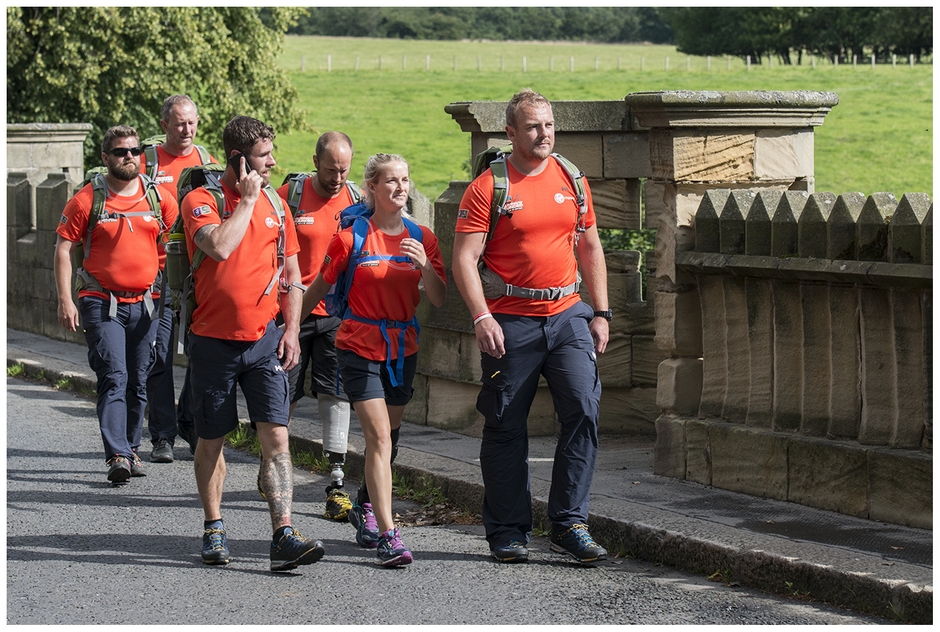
(277, 480)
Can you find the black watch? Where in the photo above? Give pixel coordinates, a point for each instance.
(606, 314)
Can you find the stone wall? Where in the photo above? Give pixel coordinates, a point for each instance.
(44, 165)
(816, 337)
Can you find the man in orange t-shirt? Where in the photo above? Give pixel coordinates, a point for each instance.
(120, 268)
(249, 273)
(322, 197)
(179, 120)
(538, 326)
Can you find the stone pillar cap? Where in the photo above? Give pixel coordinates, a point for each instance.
(756, 108)
(47, 132)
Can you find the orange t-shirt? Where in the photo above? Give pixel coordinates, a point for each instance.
(316, 222)
(123, 255)
(169, 167)
(535, 247)
(231, 304)
(380, 290)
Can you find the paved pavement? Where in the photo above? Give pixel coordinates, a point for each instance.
(771, 545)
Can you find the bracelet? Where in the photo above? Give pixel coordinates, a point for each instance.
(482, 316)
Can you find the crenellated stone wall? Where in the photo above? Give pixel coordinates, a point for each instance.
(816, 342)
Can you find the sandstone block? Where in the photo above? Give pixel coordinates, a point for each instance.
(616, 203)
(584, 150)
(452, 406)
(670, 448)
(678, 323)
(698, 456)
(627, 155)
(628, 410)
(829, 475)
(615, 364)
(702, 155)
(748, 460)
(646, 358)
(783, 153)
(901, 487)
(679, 385)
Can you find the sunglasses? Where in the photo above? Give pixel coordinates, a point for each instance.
(121, 152)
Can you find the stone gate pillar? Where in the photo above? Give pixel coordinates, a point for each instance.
(699, 141)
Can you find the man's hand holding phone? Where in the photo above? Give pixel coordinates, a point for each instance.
(248, 181)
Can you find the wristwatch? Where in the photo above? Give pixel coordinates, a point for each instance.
(606, 314)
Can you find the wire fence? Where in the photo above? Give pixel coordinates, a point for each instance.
(572, 63)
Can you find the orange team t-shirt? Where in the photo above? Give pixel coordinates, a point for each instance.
(535, 247)
(170, 167)
(316, 222)
(123, 255)
(380, 290)
(231, 304)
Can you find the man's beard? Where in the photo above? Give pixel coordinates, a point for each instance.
(125, 171)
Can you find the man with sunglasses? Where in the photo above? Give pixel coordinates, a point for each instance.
(119, 268)
(164, 163)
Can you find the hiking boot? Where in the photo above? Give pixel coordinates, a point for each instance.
(338, 504)
(367, 529)
(214, 547)
(294, 550)
(162, 451)
(188, 433)
(512, 551)
(137, 466)
(119, 470)
(391, 552)
(578, 543)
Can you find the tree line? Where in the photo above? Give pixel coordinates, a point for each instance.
(116, 65)
(596, 24)
(836, 33)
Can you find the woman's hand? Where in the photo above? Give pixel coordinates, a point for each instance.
(414, 249)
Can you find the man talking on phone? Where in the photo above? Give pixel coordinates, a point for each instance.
(249, 274)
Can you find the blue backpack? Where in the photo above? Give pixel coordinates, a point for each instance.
(337, 299)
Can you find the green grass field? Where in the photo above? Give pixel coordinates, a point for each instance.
(879, 137)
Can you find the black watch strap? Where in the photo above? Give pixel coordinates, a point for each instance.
(606, 314)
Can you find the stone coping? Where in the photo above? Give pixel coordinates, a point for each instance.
(873, 273)
(753, 108)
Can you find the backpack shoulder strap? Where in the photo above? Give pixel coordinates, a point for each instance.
(354, 191)
(153, 198)
(203, 154)
(295, 191)
(150, 155)
(577, 181)
(414, 229)
(275, 200)
(500, 191)
(99, 187)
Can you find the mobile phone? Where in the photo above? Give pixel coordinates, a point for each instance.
(234, 162)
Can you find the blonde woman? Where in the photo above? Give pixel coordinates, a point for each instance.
(377, 342)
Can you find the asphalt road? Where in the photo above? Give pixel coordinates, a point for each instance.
(82, 552)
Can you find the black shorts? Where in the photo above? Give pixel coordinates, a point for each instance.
(318, 352)
(368, 379)
(216, 366)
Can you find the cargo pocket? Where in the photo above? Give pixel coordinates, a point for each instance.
(493, 399)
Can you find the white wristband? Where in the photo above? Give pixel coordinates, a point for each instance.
(481, 317)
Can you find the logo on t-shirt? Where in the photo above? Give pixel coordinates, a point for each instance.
(199, 211)
(463, 213)
(303, 220)
(63, 220)
(559, 198)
